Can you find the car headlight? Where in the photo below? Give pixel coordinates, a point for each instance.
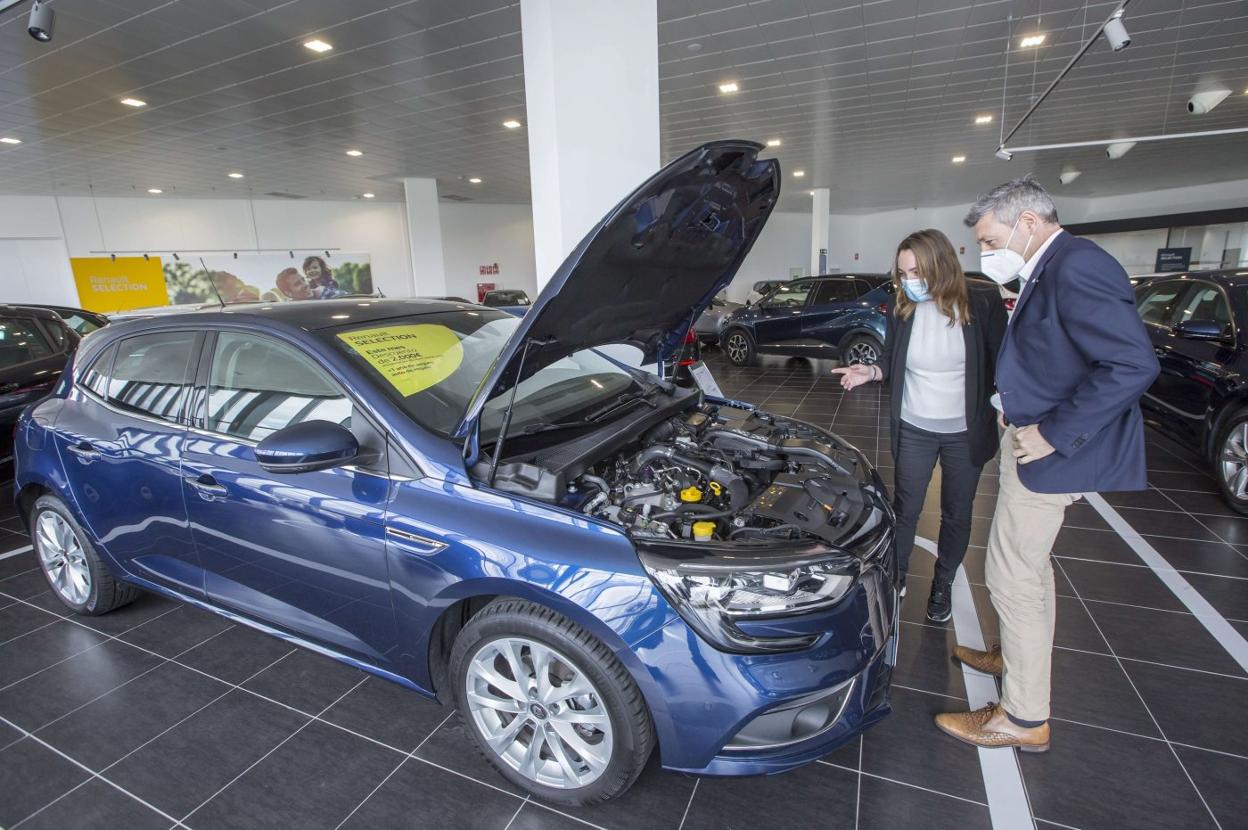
(715, 597)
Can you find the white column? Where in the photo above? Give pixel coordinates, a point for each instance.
(820, 205)
(424, 237)
(591, 89)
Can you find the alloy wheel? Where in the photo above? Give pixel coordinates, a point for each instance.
(63, 558)
(539, 712)
(738, 348)
(1234, 463)
(863, 352)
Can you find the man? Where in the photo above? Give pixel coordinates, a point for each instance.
(1073, 365)
(291, 285)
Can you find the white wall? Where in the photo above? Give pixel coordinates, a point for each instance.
(476, 235)
(34, 263)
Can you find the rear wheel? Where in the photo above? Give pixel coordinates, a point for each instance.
(1231, 463)
(75, 572)
(862, 348)
(549, 705)
(740, 347)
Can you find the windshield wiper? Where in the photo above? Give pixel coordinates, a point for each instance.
(617, 404)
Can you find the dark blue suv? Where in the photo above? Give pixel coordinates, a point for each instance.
(839, 316)
(589, 562)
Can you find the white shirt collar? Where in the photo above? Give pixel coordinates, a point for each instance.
(1030, 265)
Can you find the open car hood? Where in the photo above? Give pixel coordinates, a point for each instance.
(645, 272)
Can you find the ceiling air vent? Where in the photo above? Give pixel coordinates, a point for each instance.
(451, 197)
(278, 194)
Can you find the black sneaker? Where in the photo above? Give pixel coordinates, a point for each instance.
(940, 603)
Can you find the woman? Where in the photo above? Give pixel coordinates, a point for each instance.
(940, 351)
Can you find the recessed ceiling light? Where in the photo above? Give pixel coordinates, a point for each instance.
(235, 175)
(694, 47)
(728, 88)
(797, 174)
(155, 191)
(511, 124)
(474, 180)
(317, 45)
(133, 102)
(983, 119)
(368, 195)
(355, 153)
(10, 140)
(773, 142)
(958, 159)
(1031, 40)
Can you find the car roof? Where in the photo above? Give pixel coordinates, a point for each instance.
(1230, 276)
(314, 314)
(29, 311)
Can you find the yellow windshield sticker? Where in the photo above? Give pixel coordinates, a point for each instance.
(411, 358)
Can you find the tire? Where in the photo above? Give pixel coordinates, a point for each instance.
(1230, 461)
(739, 347)
(527, 631)
(861, 348)
(57, 537)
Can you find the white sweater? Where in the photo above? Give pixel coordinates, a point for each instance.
(934, 395)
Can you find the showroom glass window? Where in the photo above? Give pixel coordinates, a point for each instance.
(835, 291)
(21, 341)
(259, 385)
(792, 295)
(150, 374)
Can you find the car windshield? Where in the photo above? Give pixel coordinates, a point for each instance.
(432, 364)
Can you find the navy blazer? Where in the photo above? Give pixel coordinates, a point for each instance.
(1076, 360)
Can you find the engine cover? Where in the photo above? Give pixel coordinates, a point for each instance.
(823, 504)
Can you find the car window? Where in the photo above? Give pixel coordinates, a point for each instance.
(78, 323)
(59, 334)
(1205, 302)
(835, 291)
(259, 385)
(151, 373)
(21, 341)
(790, 295)
(96, 376)
(1156, 302)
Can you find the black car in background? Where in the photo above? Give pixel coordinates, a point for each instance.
(35, 344)
(502, 297)
(1196, 322)
(78, 319)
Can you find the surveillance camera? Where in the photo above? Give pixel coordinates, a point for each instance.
(1116, 33)
(1203, 102)
(41, 22)
(1003, 154)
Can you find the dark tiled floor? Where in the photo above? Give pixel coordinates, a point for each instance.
(163, 715)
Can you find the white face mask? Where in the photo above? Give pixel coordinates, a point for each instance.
(1003, 264)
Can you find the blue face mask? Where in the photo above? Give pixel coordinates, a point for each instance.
(916, 290)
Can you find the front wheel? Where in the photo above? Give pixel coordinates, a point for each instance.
(740, 347)
(862, 348)
(77, 575)
(1231, 464)
(549, 705)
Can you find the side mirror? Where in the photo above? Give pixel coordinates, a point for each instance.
(1199, 330)
(307, 446)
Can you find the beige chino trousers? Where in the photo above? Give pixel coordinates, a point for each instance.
(1019, 574)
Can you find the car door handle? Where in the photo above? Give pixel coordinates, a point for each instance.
(84, 450)
(206, 485)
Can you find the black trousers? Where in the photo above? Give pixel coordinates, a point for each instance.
(915, 456)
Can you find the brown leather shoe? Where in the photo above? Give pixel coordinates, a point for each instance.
(991, 727)
(988, 662)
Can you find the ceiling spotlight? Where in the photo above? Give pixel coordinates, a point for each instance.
(1069, 175)
(317, 45)
(133, 102)
(958, 159)
(983, 119)
(1117, 151)
(511, 124)
(155, 191)
(1203, 102)
(797, 174)
(1003, 154)
(235, 175)
(1031, 40)
(41, 22)
(474, 180)
(355, 153)
(773, 142)
(10, 140)
(1116, 32)
(728, 88)
(368, 195)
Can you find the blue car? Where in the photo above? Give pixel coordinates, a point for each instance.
(591, 564)
(839, 317)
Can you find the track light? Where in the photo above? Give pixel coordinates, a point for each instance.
(1120, 149)
(1003, 154)
(1203, 102)
(1116, 32)
(1069, 175)
(41, 22)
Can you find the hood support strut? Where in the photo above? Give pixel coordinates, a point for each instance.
(511, 403)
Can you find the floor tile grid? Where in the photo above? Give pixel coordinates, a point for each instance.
(1143, 702)
(312, 717)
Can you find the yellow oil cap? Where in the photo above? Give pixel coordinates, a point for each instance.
(716, 488)
(703, 531)
(691, 494)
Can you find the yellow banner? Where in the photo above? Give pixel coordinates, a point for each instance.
(410, 358)
(105, 284)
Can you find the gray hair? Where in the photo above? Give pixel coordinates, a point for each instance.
(1007, 202)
